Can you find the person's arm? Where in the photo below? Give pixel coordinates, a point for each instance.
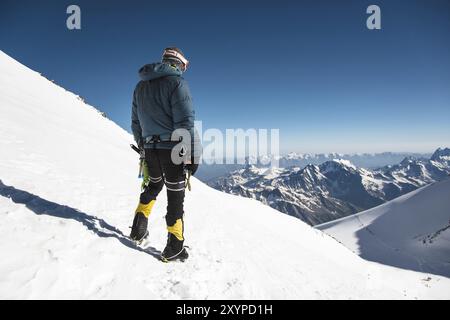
(135, 124)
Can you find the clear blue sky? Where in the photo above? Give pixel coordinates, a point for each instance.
(310, 68)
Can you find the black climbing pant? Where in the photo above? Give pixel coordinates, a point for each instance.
(162, 172)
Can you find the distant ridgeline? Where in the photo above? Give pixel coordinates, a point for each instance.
(335, 188)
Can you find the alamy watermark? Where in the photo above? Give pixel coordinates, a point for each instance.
(233, 146)
(73, 21)
(374, 20)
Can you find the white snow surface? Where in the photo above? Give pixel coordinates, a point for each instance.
(346, 163)
(411, 232)
(68, 192)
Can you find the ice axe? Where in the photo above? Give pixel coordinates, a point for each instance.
(143, 168)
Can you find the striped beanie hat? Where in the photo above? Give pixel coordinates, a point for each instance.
(175, 55)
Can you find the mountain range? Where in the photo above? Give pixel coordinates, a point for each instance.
(363, 160)
(210, 171)
(335, 188)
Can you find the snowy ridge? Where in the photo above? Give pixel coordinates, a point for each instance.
(67, 194)
(412, 231)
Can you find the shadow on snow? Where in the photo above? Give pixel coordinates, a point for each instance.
(98, 226)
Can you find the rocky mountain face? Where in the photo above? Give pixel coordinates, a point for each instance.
(334, 189)
(210, 172)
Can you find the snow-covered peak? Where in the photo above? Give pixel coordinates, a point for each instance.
(407, 160)
(345, 163)
(272, 173)
(312, 168)
(337, 165)
(441, 154)
(292, 155)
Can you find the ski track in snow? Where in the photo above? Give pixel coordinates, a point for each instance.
(67, 196)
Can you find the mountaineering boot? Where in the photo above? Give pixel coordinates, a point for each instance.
(139, 229)
(175, 249)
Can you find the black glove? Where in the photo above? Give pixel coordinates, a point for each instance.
(195, 158)
(192, 168)
(191, 164)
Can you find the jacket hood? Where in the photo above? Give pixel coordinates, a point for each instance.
(157, 70)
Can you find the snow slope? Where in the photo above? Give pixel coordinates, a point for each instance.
(67, 195)
(410, 232)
